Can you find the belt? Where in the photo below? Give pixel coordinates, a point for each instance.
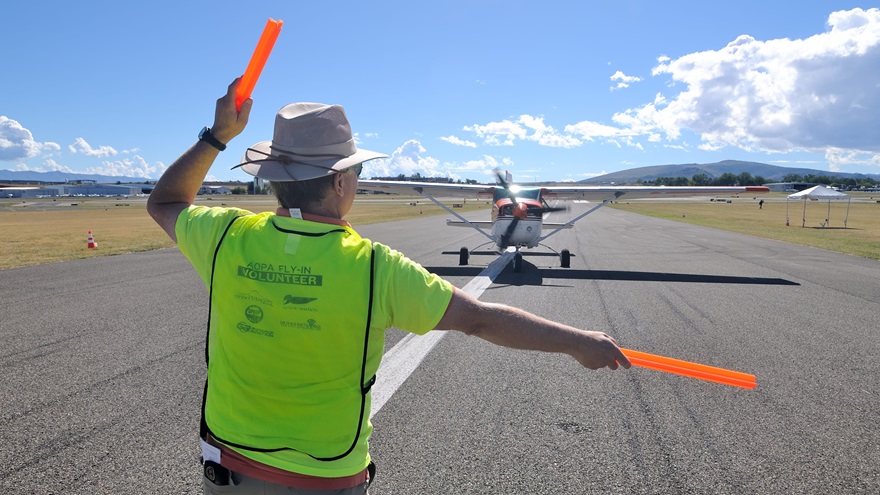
(238, 463)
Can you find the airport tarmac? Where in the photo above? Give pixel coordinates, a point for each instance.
(103, 366)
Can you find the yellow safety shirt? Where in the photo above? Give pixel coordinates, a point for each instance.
(293, 345)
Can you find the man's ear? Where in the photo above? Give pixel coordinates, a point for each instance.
(338, 186)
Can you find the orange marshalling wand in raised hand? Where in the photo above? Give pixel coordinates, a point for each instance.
(258, 61)
(693, 370)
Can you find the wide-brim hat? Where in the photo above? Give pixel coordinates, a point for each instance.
(311, 140)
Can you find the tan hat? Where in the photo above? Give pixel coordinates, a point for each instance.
(311, 140)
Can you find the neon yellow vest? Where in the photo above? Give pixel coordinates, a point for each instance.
(290, 356)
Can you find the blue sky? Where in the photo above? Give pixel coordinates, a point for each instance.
(550, 90)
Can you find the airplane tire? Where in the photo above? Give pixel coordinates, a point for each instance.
(463, 256)
(565, 258)
(517, 263)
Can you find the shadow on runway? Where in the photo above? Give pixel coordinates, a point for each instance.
(532, 275)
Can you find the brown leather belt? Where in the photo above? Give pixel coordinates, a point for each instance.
(238, 463)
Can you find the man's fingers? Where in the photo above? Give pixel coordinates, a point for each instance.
(622, 360)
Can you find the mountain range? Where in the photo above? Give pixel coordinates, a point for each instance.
(772, 173)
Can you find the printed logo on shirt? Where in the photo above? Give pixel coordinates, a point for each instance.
(254, 314)
(298, 301)
(245, 328)
(302, 325)
(253, 297)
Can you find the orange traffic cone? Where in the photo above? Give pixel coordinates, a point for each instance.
(92, 244)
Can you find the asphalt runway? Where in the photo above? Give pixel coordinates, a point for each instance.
(103, 368)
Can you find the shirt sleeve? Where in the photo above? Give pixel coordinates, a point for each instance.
(413, 299)
(198, 230)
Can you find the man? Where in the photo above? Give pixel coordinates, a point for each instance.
(299, 303)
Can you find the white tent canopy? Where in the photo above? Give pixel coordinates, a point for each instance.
(819, 192)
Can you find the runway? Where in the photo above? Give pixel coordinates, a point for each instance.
(103, 368)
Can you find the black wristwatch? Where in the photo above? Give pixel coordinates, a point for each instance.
(209, 138)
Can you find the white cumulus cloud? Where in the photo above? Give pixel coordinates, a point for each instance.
(129, 167)
(623, 80)
(17, 143)
(815, 94)
(458, 141)
(81, 146)
(525, 128)
(408, 160)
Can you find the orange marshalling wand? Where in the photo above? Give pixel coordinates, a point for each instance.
(258, 61)
(693, 370)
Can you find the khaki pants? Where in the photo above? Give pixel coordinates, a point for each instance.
(240, 484)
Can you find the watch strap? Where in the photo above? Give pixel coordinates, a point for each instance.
(209, 138)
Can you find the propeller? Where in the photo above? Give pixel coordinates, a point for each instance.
(520, 211)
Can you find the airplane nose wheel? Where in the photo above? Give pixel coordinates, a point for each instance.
(565, 258)
(517, 263)
(463, 256)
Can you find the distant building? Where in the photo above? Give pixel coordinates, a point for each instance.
(70, 189)
(26, 192)
(214, 190)
(790, 186)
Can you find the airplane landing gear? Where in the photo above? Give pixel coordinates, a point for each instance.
(517, 263)
(463, 256)
(565, 258)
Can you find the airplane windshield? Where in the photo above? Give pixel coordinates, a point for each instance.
(520, 192)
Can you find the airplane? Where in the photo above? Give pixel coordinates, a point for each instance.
(518, 212)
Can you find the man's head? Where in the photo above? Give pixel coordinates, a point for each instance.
(308, 195)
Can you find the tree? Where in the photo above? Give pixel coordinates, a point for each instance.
(700, 180)
(726, 179)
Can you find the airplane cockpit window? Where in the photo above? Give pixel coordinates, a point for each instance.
(519, 192)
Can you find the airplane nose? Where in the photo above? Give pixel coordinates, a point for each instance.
(520, 211)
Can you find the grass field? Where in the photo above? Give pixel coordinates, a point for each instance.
(45, 230)
(861, 237)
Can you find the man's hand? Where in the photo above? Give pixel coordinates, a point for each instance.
(598, 350)
(228, 122)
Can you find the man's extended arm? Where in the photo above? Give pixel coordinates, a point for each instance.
(178, 186)
(518, 329)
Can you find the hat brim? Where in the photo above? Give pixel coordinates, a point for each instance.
(259, 162)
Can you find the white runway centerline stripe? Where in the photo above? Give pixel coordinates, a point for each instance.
(402, 359)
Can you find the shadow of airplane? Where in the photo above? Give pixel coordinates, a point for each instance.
(532, 275)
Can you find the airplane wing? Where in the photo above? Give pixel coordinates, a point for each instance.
(561, 193)
(602, 193)
(440, 189)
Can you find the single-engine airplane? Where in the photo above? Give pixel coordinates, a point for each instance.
(518, 211)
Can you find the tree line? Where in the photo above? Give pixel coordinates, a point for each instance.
(747, 179)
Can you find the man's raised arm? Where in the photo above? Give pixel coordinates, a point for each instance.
(178, 186)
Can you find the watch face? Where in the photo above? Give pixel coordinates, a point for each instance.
(202, 132)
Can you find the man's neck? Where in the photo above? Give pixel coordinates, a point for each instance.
(312, 217)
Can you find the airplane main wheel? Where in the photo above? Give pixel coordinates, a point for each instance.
(565, 258)
(463, 256)
(517, 263)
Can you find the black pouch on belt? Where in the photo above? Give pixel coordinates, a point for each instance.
(216, 473)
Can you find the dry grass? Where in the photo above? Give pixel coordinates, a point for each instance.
(43, 231)
(46, 230)
(861, 237)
